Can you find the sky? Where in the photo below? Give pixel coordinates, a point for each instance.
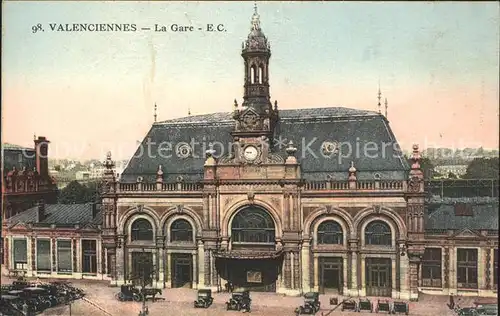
(437, 63)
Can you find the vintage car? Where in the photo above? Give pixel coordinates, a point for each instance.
(383, 306)
(400, 307)
(349, 304)
(487, 310)
(240, 300)
(40, 295)
(311, 304)
(129, 292)
(365, 304)
(467, 311)
(204, 299)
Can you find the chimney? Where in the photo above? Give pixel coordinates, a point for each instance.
(42, 161)
(40, 212)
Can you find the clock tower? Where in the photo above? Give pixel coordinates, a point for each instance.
(256, 119)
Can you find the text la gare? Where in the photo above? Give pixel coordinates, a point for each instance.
(189, 28)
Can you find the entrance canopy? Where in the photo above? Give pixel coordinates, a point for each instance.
(249, 254)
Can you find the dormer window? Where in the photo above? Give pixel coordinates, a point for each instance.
(463, 209)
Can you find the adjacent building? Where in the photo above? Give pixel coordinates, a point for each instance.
(26, 178)
(55, 241)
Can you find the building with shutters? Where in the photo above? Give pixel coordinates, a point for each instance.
(55, 241)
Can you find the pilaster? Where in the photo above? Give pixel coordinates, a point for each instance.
(306, 266)
(120, 260)
(354, 267)
(201, 265)
(160, 246)
(207, 266)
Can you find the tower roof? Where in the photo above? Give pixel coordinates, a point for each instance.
(256, 40)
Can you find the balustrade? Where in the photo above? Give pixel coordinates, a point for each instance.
(309, 186)
(392, 185)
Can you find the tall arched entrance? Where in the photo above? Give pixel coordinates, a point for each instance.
(251, 260)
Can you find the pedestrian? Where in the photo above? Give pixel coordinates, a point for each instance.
(451, 305)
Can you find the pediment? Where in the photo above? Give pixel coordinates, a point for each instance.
(18, 225)
(466, 233)
(249, 112)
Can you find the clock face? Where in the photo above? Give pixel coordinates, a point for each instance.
(251, 153)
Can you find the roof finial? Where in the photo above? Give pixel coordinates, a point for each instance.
(154, 116)
(189, 111)
(386, 106)
(379, 97)
(255, 18)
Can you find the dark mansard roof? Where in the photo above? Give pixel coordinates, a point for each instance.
(443, 216)
(60, 214)
(302, 126)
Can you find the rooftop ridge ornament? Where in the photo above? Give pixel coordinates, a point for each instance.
(154, 115)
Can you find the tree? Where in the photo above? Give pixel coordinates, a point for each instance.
(483, 168)
(77, 193)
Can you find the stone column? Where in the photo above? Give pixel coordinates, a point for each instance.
(306, 266)
(201, 265)
(446, 266)
(481, 277)
(288, 271)
(404, 280)
(316, 274)
(160, 258)
(487, 268)
(206, 211)
(168, 270)
(207, 267)
(120, 261)
(195, 270)
(354, 267)
(53, 248)
(215, 275)
(105, 271)
(296, 270)
(452, 272)
(414, 262)
(286, 210)
(33, 253)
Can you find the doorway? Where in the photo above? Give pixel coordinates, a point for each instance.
(142, 268)
(182, 270)
(378, 277)
(331, 275)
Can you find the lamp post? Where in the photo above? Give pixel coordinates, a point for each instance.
(146, 274)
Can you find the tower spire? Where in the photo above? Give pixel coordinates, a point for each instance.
(154, 115)
(386, 106)
(379, 97)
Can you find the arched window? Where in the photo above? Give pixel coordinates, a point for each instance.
(181, 230)
(378, 233)
(330, 232)
(142, 230)
(252, 225)
(261, 74)
(252, 75)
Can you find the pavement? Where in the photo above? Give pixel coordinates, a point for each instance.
(179, 302)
